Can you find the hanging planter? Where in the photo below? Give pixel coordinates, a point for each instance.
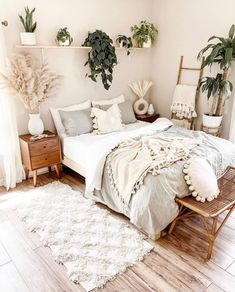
(102, 57)
(28, 37)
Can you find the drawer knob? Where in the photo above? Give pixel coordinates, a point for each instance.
(44, 146)
(45, 158)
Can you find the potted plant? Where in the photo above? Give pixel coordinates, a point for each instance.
(144, 34)
(101, 58)
(63, 37)
(28, 37)
(32, 85)
(218, 88)
(125, 42)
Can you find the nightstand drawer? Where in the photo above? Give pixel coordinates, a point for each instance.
(45, 159)
(44, 147)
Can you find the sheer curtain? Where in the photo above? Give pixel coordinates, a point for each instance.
(11, 169)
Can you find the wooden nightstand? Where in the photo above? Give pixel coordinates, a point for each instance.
(41, 153)
(148, 118)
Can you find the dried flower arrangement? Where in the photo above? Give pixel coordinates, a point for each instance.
(33, 85)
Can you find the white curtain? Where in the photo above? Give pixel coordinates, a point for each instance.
(11, 169)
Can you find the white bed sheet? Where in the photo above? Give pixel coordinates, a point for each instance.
(75, 148)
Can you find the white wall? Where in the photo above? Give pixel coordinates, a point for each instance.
(184, 28)
(114, 17)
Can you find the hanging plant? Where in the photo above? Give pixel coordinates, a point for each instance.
(101, 58)
(125, 42)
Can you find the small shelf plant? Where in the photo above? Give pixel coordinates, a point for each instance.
(63, 37)
(218, 88)
(125, 42)
(144, 34)
(101, 58)
(28, 37)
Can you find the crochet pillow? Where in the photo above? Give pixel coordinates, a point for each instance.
(106, 121)
(201, 179)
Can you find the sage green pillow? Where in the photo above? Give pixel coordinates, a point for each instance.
(77, 122)
(126, 109)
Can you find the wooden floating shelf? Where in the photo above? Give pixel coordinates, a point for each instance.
(68, 47)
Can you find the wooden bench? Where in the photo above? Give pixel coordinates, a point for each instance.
(189, 207)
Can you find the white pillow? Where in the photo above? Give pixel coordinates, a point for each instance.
(56, 115)
(115, 100)
(201, 179)
(106, 121)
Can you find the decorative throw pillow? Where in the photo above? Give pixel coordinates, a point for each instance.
(77, 122)
(201, 179)
(126, 109)
(115, 100)
(56, 115)
(106, 121)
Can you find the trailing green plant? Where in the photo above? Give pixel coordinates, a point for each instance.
(63, 35)
(27, 20)
(125, 42)
(101, 58)
(221, 53)
(143, 32)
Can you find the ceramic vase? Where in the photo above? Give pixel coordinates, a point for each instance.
(141, 106)
(35, 125)
(148, 43)
(151, 109)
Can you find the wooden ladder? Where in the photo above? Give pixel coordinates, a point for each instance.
(198, 69)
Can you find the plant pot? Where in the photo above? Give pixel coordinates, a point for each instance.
(66, 43)
(147, 44)
(35, 125)
(211, 121)
(141, 106)
(28, 38)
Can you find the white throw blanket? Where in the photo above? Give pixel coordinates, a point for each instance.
(183, 103)
(134, 159)
(97, 153)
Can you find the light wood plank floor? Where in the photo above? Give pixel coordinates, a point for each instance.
(176, 264)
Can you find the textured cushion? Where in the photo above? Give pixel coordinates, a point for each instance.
(106, 121)
(56, 116)
(115, 100)
(126, 109)
(201, 179)
(77, 122)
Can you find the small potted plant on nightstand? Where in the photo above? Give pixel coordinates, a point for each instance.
(144, 34)
(63, 37)
(125, 42)
(28, 37)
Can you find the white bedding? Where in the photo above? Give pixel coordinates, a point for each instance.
(76, 148)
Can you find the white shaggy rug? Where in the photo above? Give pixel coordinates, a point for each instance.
(92, 244)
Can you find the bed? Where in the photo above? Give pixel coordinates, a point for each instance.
(153, 206)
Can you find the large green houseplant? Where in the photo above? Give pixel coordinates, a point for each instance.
(28, 37)
(144, 34)
(218, 88)
(101, 58)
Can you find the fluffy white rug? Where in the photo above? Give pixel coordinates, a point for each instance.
(92, 244)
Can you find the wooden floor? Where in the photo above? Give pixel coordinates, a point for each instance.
(176, 264)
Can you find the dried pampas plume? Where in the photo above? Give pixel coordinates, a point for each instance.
(33, 85)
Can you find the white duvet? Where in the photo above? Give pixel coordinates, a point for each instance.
(96, 153)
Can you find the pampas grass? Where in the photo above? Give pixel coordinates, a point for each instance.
(33, 85)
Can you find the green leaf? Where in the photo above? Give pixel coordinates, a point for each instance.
(231, 31)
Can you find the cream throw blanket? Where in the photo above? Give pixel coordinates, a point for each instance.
(130, 162)
(183, 103)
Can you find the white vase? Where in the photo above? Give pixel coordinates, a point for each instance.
(151, 109)
(148, 43)
(141, 106)
(211, 121)
(28, 38)
(35, 125)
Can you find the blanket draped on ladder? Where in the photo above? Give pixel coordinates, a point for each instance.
(133, 159)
